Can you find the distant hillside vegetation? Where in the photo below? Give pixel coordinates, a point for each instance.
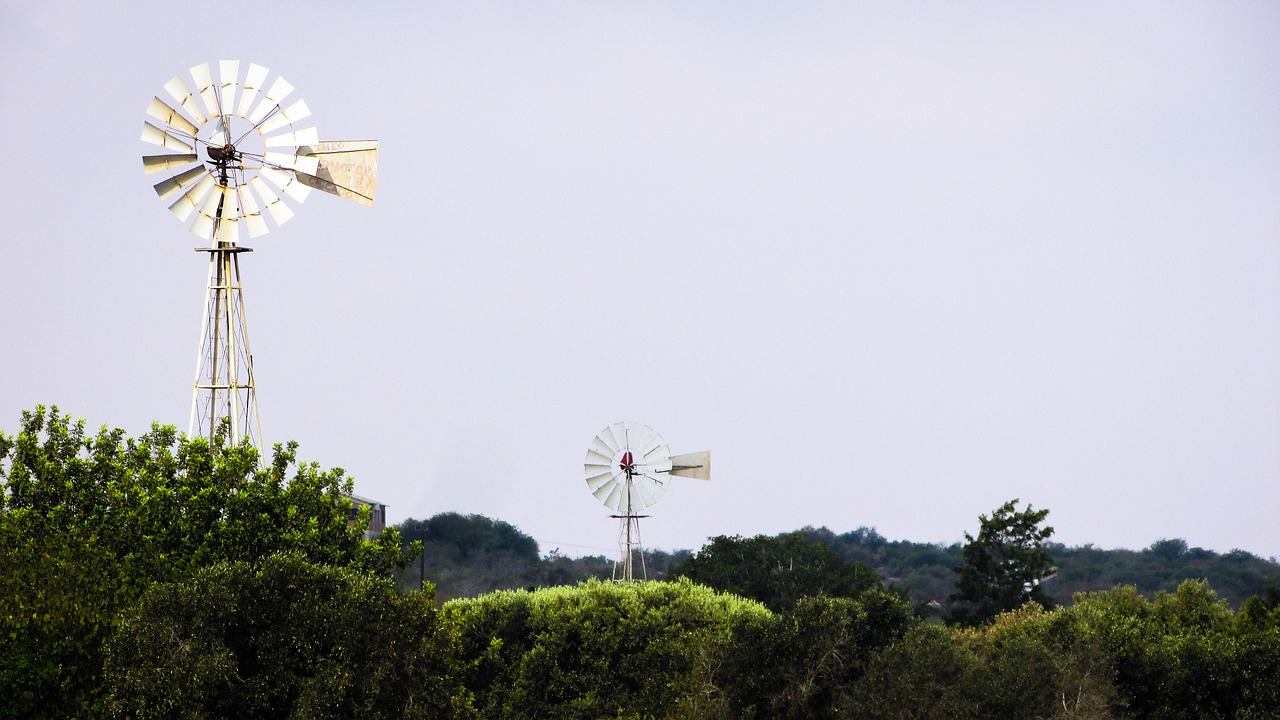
(468, 555)
(927, 571)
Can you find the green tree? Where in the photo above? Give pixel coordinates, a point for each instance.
(798, 664)
(87, 522)
(776, 571)
(925, 676)
(1003, 566)
(282, 638)
(597, 650)
(466, 555)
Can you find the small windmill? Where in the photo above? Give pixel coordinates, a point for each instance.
(234, 152)
(627, 467)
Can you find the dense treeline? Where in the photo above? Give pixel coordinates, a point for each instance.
(307, 642)
(466, 555)
(162, 577)
(927, 571)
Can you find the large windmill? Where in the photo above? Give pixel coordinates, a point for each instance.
(235, 149)
(627, 467)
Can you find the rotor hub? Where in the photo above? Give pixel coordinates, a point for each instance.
(224, 154)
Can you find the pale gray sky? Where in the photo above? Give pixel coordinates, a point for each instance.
(891, 263)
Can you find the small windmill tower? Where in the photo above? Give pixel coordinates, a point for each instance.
(627, 468)
(234, 151)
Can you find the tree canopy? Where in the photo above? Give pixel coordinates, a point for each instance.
(283, 638)
(1004, 565)
(87, 522)
(777, 571)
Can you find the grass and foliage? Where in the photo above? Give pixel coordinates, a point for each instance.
(164, 577)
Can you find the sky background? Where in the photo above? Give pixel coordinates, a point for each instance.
(892, 263)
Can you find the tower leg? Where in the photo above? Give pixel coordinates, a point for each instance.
(631, 551)
(224, 389)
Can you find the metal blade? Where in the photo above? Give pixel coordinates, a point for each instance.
(228, 72)
(306, 136)
(156, 136)
(227, 231)
(161, 111)
(598, 445)
(598, 458)
(641, 440)
(271, 99)
(642, 496)
(614, 437)
(190, 200)
(304, 163)
(616, 494)
(274, 205)
(208, 215)
(228, 228)
(178, 90)
(204, 86)
(253, 220)
(292, 114)
(287, 184)
(653, 486)
(230, 203)
(165, 188)
(252, 83)
(595, 481)
(159, 163)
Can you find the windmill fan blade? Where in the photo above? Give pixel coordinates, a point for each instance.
(348, 169)
(204, 87)
(230, 203)
(292, 114)
(595, 481)
(208, 215)
(252, 215)
(598, 445)
(614, 499)
(160, 163)
(598, 458)
(302, 163)
(178, 90)
(227, 230)
(252, 83)
(271, 99)
(161, 111)
(165, 188)
(228, 72)
(640, 437)
(615, 440)
(156, 136)
(306, 136)
(190, 200)
(279, 211)
(289, 186)
(641, 498)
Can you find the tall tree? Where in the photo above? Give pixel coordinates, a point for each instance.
(1002, 567)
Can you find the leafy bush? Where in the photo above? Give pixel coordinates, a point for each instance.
(595, 650)
(282, 639)
(87, 522)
